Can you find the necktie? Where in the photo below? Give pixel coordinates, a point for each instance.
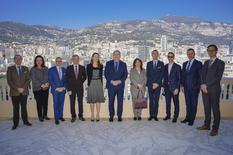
(154, 65)
(19, 71)
(210, 63)
(188, 66)
(76, 71)
(116, 66)
(60, 72)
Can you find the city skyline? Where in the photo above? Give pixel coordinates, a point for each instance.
(80, 14)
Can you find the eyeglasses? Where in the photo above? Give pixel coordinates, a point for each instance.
(170, 56)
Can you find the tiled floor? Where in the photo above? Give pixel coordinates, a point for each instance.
(104, 138)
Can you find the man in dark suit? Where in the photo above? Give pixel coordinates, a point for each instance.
(115, 73)
(75, 77)
(18, 79)
(211, 76)
(190, 85)
(171, 84)
(56, 78)
(154, 71)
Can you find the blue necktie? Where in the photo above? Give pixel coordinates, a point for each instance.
(19, 71)
(116, 66)
(188, 67)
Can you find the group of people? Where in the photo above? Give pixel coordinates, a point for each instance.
(168, 79)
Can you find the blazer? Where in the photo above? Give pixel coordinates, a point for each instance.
(90, 73)
(15, 81)
(72, 83)
(54, 79)
(154, 75)
(38, 77)
(110, 73)
(191, 79)
(135, 79)
(211, 76)
(172, 81)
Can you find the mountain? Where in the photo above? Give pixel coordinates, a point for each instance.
(178, 29)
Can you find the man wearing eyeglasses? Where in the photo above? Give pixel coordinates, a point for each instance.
(56, 77)
(211, 76)
(171, 84)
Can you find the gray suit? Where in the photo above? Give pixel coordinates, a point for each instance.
(211, 76)
(135, 79)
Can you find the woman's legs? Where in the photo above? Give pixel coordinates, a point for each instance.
(92, 106)
(98, 111)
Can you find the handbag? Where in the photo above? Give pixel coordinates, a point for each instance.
(140, 103)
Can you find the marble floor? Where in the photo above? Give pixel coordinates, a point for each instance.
(118, 138)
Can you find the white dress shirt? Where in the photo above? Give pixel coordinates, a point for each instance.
(169, 68)
(189, 64)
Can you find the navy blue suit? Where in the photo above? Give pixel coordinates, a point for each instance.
(191, 81)
(170, 83)
(111, 73)
(154, 75)
(58, 97)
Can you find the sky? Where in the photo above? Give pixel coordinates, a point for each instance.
(83, 13)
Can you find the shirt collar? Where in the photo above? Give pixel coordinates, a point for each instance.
(155, 61)
(213, 59)
(192, 60)
(58, 67)
(170, 64)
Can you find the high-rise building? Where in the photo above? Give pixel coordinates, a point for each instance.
(143, 53)
(231, 48)
(163, 43)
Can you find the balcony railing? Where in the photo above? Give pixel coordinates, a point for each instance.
(226, 102)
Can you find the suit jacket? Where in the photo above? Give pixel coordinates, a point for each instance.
(110, 73)
(191, 79)
(15, 81)
(154, 75)
(172, 81)
(136, 79)
(212, 76)
(90, 73)
(54, 79)
(72, 83)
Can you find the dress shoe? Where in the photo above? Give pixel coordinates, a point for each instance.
(46, 118)
(213, 132)
(28, 124)
(166, 118)
(56, 122)
(191, 123)
(81, 118)
(135, 118)
(156, 119)
(150, 118)
(203, 127)
(14, 127)
(111, 119)
(97, 118)
(73, 120)
(41, 119)
(119, 119)
(174, 120)
(139, 118)
(62, 119)
(184, 121)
